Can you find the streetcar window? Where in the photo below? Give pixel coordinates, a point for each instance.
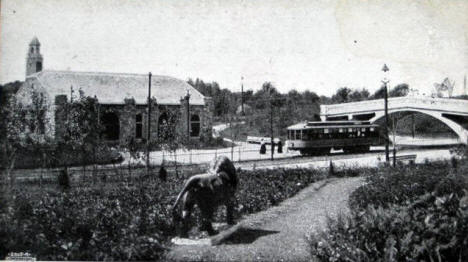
(372, 129)
(341, 130)
(350, 130)
(325, 130)
(363, 129)
(298, 134)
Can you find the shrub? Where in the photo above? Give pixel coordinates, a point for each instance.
(405, 214)
(401, 184)
(122, 221)
(431, 229)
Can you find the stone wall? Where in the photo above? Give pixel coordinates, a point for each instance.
(127, 117)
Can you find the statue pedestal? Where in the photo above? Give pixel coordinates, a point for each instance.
(191, 242)
(211, 241)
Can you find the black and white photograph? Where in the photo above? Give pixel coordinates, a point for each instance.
(234, 130)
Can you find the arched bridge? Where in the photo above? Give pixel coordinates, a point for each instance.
(452, 112)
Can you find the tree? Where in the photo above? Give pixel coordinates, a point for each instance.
(171, 138)
(379, 93)
(22, 131)
(310, 97)
(341, 95)
(11, 127)
(399, 90)
(359, 95)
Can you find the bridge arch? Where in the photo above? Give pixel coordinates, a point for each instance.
(454, 126)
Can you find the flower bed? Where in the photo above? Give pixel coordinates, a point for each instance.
(123, 221)
(405, 214)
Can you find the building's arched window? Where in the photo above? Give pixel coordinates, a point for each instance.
(139, 126)
(111, 125)
(194, 126)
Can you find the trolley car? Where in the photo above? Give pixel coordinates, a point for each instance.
(316, 138)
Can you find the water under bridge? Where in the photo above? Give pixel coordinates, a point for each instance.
(451, 112)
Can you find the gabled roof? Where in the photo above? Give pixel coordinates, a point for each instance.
(113, 88)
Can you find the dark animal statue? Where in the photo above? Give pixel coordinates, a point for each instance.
(207, 191)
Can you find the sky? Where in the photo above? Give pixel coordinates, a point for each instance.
(316, 45)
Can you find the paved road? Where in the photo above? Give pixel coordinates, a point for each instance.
(278, 234)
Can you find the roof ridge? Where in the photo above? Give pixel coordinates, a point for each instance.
(102, 73)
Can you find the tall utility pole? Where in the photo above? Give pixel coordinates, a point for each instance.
(385, 82)
(242, 96)
(148, 126)
(271, 128)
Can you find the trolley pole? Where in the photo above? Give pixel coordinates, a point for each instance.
(148, 127)
(385, 81)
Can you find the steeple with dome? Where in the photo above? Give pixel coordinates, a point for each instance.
(34, 60)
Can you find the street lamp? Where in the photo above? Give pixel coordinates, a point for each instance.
(385, 82)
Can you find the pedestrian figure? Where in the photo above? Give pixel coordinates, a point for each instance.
(262, 148)
(280, 147)
(162, 173)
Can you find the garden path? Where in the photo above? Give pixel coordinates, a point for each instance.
(279, 233)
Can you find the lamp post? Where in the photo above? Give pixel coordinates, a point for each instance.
(385, 82)
(394, 128)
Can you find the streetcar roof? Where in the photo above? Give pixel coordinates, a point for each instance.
(331, 124)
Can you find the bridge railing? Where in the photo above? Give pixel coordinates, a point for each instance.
(441, 104)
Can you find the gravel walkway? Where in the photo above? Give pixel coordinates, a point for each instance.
(279, 233)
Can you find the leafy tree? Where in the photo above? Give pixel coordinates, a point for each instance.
(399, 90)
(342, 95)
(171, 138)
(359, 95)
(310, 97)
(22, 131)
(82, 129)
(379, 93)
(325, 100)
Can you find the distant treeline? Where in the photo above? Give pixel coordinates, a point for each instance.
(228, 102)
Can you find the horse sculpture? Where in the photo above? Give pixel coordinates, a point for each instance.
(208, 191)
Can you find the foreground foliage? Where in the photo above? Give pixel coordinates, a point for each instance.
(406, 214)
(124, 220)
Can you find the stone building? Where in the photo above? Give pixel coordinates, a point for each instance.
(122, 98)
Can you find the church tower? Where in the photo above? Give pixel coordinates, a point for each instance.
(34, 60)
